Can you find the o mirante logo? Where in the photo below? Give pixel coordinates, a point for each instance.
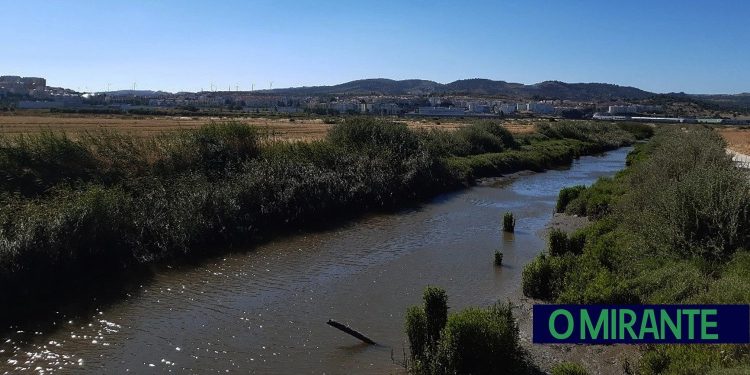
(638, 324)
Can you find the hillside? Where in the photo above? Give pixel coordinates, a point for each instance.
(476, 86)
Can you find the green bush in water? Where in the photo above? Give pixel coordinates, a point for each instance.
(509, 222)
(498, 258)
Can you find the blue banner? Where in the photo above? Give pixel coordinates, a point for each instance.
(640, 324)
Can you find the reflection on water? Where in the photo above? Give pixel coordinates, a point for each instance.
(265, 310)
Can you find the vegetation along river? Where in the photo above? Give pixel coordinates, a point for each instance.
(265, 310)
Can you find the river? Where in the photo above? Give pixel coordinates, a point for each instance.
(264, 310)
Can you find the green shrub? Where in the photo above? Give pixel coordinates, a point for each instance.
(416, 332)
(654, 362)
(607, 134)
(639, 130)
(596, 286)
(544, 277)
(436, 312)
(732, 287)
(225, 145)
(444, 143)
(695, 359)
(668, 281)
(537, 157)
(476, 341)
(509, 222)
(480, 341)
(498, 130)
(597, 200)
(566, 195)
(537, 278)
(216, 149)
(32, 164)
(687, 196)
(569, 368)
(558, 242)
(365, 133)
(479, 140)
(498, 258)
(576, 242)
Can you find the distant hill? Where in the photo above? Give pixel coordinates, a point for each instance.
(726, 102)
(365, 87)
(476, 86)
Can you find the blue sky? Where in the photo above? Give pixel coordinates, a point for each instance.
(661, 46)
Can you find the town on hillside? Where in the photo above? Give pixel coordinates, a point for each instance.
(32, 93)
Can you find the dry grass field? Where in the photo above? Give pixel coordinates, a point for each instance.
(145, 126)
(738, 139)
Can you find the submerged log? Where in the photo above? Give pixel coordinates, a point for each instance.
(350, 331)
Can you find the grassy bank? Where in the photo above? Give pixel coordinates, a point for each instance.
(674, 227)
(106, 203)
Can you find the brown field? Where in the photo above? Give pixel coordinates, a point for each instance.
(738, 139)
(145, 126)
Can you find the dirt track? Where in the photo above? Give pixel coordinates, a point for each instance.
(738, 139)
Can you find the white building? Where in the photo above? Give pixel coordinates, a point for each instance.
(632, 108)
(621, 109)
(541, 108)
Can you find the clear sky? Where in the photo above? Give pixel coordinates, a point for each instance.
(656, 45)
